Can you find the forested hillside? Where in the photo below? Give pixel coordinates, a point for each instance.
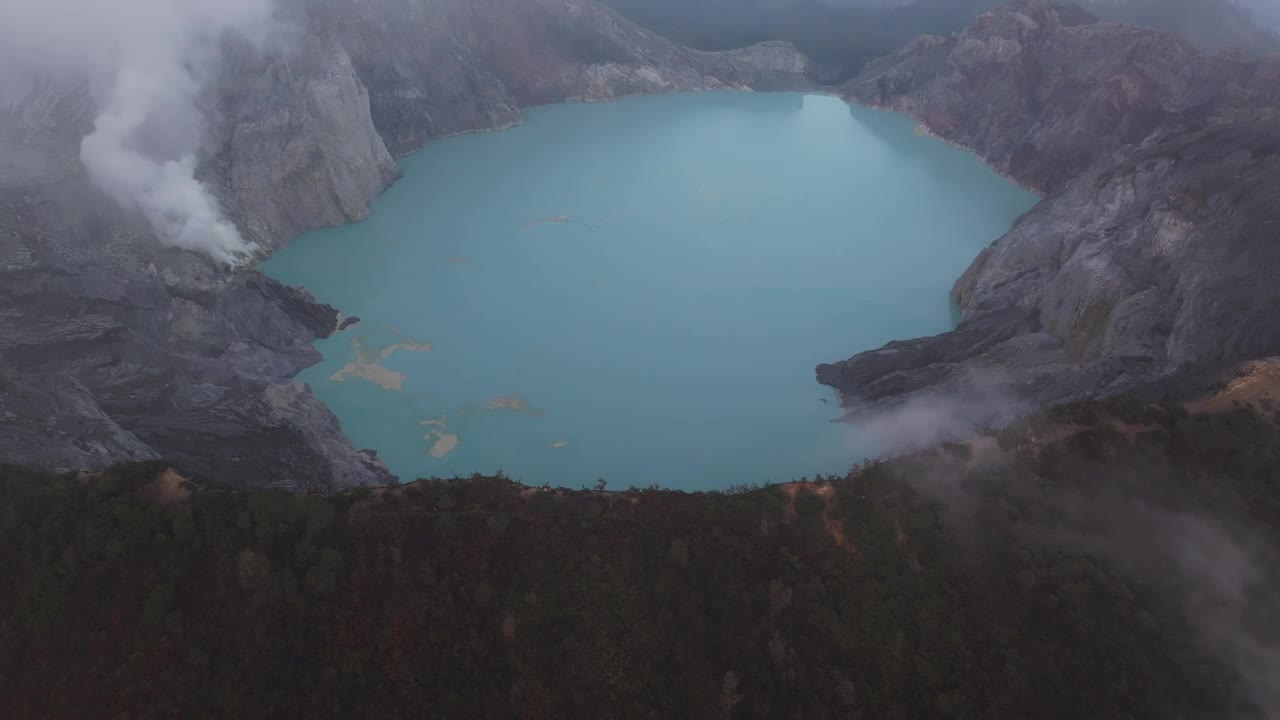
(1099, 561)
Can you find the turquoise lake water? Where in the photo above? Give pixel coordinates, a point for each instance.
(640, 290)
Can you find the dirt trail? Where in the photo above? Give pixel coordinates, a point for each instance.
(1255, 382)
(834, 526)
(169, 488)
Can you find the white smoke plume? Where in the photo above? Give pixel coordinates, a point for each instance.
(147, 62)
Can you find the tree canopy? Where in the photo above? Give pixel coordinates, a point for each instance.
(1031, 573)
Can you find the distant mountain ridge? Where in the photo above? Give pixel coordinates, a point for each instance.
(845, 34)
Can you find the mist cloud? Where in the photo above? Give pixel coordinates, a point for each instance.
(146, 62)
(1218, 571)
(971, 403)
(1225, 578)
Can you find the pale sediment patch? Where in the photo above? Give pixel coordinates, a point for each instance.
(411, 346)
(514, 403)
(553, 220)
(432, 423)
(370, 368)
(376, 374)
(444, 443)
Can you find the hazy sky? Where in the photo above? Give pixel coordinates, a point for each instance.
(1266, 11)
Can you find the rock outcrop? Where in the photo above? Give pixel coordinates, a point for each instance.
(114, 348)
(1149, 259)
(298, 148)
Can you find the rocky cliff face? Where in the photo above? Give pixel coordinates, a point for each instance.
(456, 66)
(1149, 258)
(296, 147)
(115, 348)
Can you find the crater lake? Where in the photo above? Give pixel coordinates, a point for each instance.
(639, 290)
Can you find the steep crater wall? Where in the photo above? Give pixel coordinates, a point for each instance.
(1147, 263)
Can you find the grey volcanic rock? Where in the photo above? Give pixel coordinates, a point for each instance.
(42, 118)
(299, 148)
(1043, 92)
(114, 348)
(55, 422)
(1165, 255)
(1152, 254)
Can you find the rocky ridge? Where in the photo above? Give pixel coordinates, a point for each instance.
(1148, 261)
(115, 348)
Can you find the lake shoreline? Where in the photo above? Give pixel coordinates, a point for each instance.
(554, 204)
